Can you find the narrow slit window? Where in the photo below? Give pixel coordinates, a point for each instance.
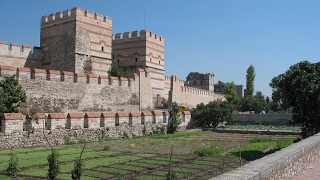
(102, 48)
(159, 62)
(150, 60)
(136, 59)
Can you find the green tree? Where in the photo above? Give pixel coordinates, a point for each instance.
(211, 114)
(231, 93)
(12, 95)
(116, 70)
(255, 103)
(174, 119)
(250, 80)
(300, 86)
(279, 101)
(53, 163)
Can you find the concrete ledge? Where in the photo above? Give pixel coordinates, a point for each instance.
(282, 164)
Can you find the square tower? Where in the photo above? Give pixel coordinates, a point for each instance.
(76, 40)
(144, 50)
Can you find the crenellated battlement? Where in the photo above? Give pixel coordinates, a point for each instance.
(75, 13)
(144, 34)
(11, 50)
(63, 76)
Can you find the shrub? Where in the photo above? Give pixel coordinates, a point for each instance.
(174, 119)
(13, 166)
(208, 151)
(78, 167)
(53, 162)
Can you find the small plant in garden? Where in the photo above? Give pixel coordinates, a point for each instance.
(170, 175)
(13, 165)
(78, 167)
(174, 119)
(207, 151)
(53, 162)
(106, 148)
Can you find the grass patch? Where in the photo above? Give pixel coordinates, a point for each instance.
(264, 127)
(208, 151)
(179, 134)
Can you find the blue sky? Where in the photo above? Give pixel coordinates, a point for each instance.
(223, 37)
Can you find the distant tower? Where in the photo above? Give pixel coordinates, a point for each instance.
(201, 81)
(76, 40)
(144, 50)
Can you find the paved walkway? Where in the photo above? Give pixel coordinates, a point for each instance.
(310, 172)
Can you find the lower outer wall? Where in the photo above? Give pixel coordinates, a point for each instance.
(283, 164)
(62, 136)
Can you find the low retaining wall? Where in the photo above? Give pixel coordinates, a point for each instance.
(265, 119)
(32, 130)
(283, 164)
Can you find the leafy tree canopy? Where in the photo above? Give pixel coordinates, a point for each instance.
(12, 95)
(231, 92)
(116, 70)
(250, 80)
(255, 103)
(299, 86)
(211, 114)
(174, 119)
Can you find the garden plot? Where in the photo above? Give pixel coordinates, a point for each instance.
(148, 157)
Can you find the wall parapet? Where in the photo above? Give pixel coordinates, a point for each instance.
(283, 164)
(145, 34)
(64, 76)
(12, 122)
(21, 51)
(74, 12)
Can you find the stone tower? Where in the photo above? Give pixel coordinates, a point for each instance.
(76, 40)
(201, 81)
(143, 50)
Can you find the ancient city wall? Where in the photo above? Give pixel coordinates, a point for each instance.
(60, 128)
(283, 164)
(12, 54)
(190, 96)
(76, 40)
(55, 91)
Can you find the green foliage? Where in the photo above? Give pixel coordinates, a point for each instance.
(279, 101)
(299, 86)
(231, 93)
(171, 176)
(53, 163)
(12, 95)
(179, 134)
(255, 103)
(106, 148)
(263, 127)
(78, 167)
(212, 114)
(13, 166)
(250, 80)
(208, 151)
(174, 119)
(116, 70)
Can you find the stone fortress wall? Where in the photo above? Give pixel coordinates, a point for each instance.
(29, 130)
(13, 54)
(70, 70)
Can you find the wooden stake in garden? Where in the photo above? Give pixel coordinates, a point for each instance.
(240, 150)
(78, 165)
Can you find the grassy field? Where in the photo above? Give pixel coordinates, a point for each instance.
(195, 155)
